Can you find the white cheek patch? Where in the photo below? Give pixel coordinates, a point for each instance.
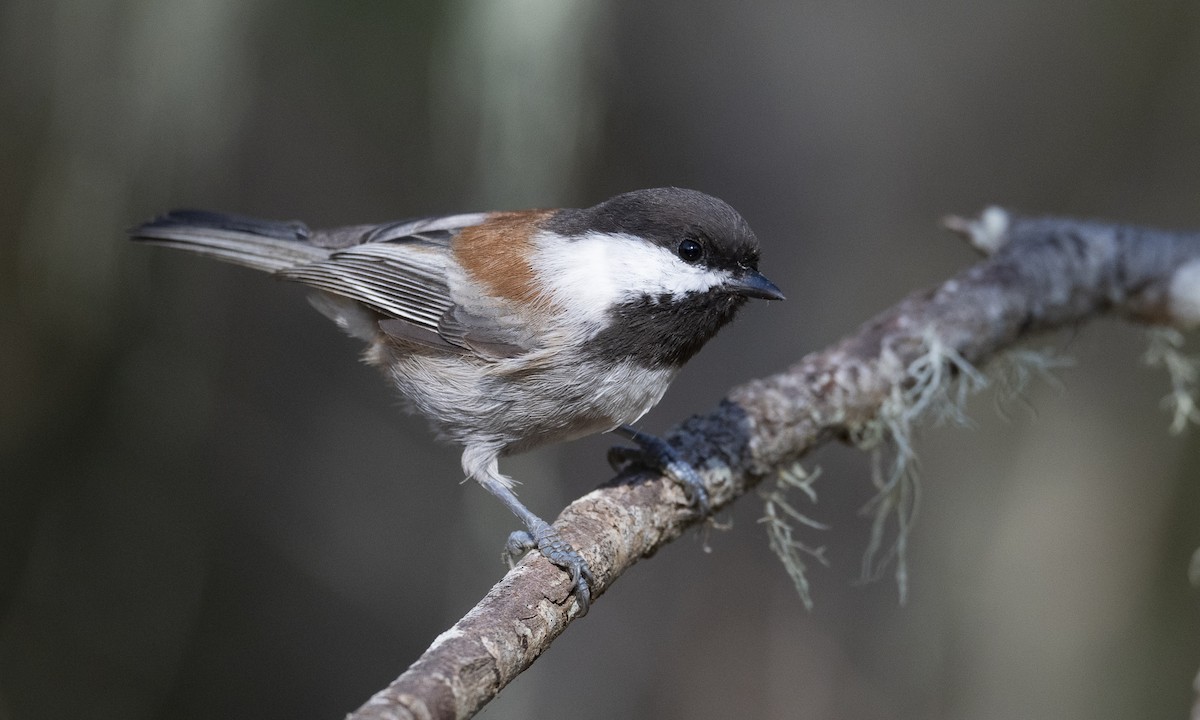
(594, 272)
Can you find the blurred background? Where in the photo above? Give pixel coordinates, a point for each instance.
(209, 508)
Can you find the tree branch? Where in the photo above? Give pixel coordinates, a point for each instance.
(1042, 274)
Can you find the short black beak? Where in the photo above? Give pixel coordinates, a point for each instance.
(752, 284)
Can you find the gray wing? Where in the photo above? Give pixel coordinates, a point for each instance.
(403, 279)
(400, 271)
(397, 271)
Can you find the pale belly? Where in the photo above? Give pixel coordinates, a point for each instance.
(514, 408)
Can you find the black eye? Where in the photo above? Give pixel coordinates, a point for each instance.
(690, 250)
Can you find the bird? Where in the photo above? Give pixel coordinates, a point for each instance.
(510, 330)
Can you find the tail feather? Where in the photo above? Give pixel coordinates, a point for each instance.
(259, 244)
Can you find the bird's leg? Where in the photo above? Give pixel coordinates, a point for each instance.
(539, 534)
(657, 453)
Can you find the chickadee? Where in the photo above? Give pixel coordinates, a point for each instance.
(510, 330)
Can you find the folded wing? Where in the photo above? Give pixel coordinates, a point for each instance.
(397, 272)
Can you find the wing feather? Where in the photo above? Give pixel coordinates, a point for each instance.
(395, 278)
(397, 272)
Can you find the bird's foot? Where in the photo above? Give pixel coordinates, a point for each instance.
(655, 452)
(542, 536)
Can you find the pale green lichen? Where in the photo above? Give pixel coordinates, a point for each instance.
(1015, 370)
(779, 516)
(935, 385)
(1166, 351)
(940, 380)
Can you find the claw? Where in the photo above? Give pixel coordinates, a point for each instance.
(519, 543)
(551, 544)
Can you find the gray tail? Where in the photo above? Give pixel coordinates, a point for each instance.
(259, 244)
